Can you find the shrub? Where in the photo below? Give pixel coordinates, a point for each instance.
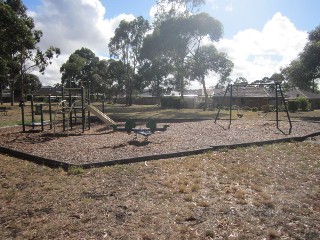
(254, 109)
(265, 108)
(281, 108)
(202, 105)
(246, 108)
(304, 103)
(293, 105)
(171, 102)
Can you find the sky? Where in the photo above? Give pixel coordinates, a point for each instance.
(260, 36)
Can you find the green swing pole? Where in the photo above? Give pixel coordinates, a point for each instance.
(83, 108)
(230, 107)
(219, 108)
(277, 106)
(32, 112)
(50, 110)
(286, 108)
(41, 113)
(63, 110)
(22, 117)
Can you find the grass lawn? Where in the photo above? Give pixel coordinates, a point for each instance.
(269, 192)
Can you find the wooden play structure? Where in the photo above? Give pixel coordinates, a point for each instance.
(73, 108)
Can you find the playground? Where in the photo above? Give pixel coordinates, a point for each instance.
(102, 144)
(65, 133)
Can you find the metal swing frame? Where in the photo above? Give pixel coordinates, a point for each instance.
(278, 91)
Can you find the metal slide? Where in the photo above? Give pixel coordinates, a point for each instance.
(103, 117)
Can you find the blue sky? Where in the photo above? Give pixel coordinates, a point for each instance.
(260, 36)
(244, 13)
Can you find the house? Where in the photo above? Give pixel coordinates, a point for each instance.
(6, 95)
(251, 96)
(48, 90)
(314, 98)
(255, 96)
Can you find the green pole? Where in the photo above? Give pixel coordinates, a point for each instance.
(22, 115)
(32, 112)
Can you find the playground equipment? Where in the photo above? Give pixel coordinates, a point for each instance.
(103, 117)
(278, 91)
(36, 109)
(4, 110)
(73, 109)
(130, 126)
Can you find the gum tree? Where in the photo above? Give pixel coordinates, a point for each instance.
(19, 43)
(178, 39)
(126, 45)
(205, 60)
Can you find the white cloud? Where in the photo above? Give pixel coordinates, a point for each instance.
(257, 54)
(229, 7)
(72, 24)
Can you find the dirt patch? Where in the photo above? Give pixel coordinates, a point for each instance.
(101, 144)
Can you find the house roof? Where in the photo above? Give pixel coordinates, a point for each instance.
(294, 93)
(46, 90)
(246, 91)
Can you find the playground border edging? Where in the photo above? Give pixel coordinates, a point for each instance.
(55, 163)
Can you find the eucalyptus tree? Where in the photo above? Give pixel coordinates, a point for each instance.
(111, 75)
(31, 84)
(19, 43)
(205, 60)
(298, 74)
(71, 70)
(177, 39)
(125, 45)
(19, 40)
(175, 8)
(304, 70)
(80, 67)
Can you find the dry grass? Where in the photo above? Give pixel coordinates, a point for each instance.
(269, 192)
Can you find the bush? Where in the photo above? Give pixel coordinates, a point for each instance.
(254, 109)
(171, 102)
(281, 108)
(265, 108)
(304, 103)
(202, 105)
(293, 105)
(246, 108)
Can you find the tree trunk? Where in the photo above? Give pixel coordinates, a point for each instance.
(205, 93)
(21, 75)
(313, 87)
(1, 97)
(12, 93)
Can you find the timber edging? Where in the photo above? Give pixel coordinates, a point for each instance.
(56, 164)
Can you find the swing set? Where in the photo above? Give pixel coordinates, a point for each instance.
(231, 88)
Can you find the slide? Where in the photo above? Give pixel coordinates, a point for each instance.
(103, 117)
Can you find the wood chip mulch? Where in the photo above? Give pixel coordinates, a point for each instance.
(102, 144)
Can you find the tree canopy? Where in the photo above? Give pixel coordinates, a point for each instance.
(19, 43)
(303, 71)
(177, 39)
(126, 45)
(205, 60)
